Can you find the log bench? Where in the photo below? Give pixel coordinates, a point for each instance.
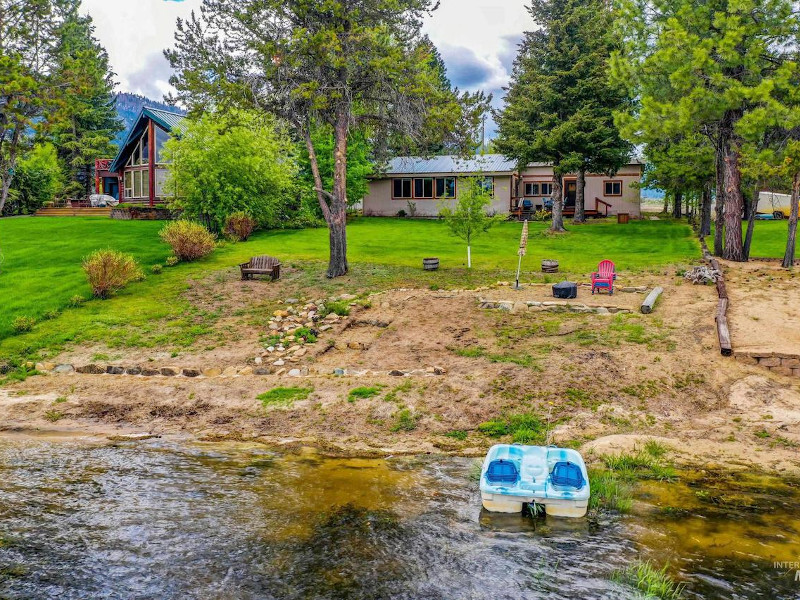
(261, 265)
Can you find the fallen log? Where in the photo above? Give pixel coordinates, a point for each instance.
(650, 301)
(723, 331)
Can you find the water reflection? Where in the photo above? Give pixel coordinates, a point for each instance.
(160, 520)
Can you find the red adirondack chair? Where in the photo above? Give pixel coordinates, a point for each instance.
(604, 277)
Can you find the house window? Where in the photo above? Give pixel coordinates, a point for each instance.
(531, 189)
(401, 188)
(487, 184)
(613, 188)
(128, 184)
(137, 184)
(446, 187)
(423, 187)
(161, 183)
(161, 138)
(546, 189)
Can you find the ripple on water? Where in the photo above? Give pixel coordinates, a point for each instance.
(154, 519)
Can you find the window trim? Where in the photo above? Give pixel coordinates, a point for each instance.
(550, 186)
(436, 180)
(532, 184)
(612, 181)
(423, 180)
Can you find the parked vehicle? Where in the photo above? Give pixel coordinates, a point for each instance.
(777, 205)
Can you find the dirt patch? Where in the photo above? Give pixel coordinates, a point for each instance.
(584, 377)
(764, 312)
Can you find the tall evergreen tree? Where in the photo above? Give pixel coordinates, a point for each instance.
(82, 118)
(700, 68)
(27, 47)
(560, 105)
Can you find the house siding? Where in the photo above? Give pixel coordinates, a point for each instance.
(379, 202)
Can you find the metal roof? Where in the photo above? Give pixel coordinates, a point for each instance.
(170, 121)
(485, 163)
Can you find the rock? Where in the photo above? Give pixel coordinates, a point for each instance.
(133, 371)
(770, 362)
(301, 352)
(489, 305)
(602, 310)
(292, 301)
(91, 370)
(274, 327)
(148, 372)
(533, 303)
(295, 373)
(279, 363)
(191, 373)
(347, 297)
(280, 372)
(170, 371)
(115, 370)
(262, 371)
(230, 372)
(30, 365)
(212, 372)
(509, 306)
(338, 372)
(355, 345)
(396, 373)
(439, 371)
(294, 348)
(245, 371)
(519, 307)
(281, 313)
(258, 360)
(326, 328)
(64, 369)
(271, 349)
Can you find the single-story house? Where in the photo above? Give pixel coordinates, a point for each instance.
(139, 171)
(424, 183)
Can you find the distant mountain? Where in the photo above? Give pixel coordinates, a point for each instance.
(130, 105)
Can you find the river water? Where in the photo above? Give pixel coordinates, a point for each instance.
(159, 519)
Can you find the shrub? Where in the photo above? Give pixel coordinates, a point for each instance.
(23, 324)
(240, 226)
(157, 269)
(76, 301)
(188, 240)
(172, 261)
(108, 271)
(405, 420)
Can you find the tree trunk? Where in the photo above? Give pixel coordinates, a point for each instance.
(677, 205)
(4, 192)
(752, 206)
(734, 204)
(338, 215)
(558, 204)
(580, 201)
(791, 243)
(719, 206)
(469, 256)
(705, 211)
(666, 204)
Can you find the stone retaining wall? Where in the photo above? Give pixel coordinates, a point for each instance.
(778, 362)
(554, 306)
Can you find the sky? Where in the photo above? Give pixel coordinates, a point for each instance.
(477, 39)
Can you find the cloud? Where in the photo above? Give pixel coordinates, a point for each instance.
(464, 68)
(151, 79)
(510, 48)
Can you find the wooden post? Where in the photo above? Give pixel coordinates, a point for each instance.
(647, 305)
(151, 163)
(723, 332)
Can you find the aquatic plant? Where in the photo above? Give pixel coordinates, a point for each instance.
(646, 463)
(609, 492)
(652, 582)
(284, 396)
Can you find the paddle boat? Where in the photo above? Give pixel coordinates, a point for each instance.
(555, 477)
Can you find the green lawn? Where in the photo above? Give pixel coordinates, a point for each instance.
(41, 269)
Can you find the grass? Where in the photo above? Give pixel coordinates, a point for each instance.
(405, 420)
(284, 396)
(650, 581)
(647, 463)
(524, 428)
(609, 492)
(362, 393)
(41, 270)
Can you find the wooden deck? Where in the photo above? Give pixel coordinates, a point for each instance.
(74, 212)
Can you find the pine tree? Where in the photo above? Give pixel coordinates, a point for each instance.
(560, 105)
(700, 68)
(82, 120)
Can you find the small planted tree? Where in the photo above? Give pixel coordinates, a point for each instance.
(469, 217)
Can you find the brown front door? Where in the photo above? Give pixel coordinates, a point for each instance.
(570, 192)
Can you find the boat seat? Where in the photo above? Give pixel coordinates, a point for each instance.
(567, 474)
(502, 472)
